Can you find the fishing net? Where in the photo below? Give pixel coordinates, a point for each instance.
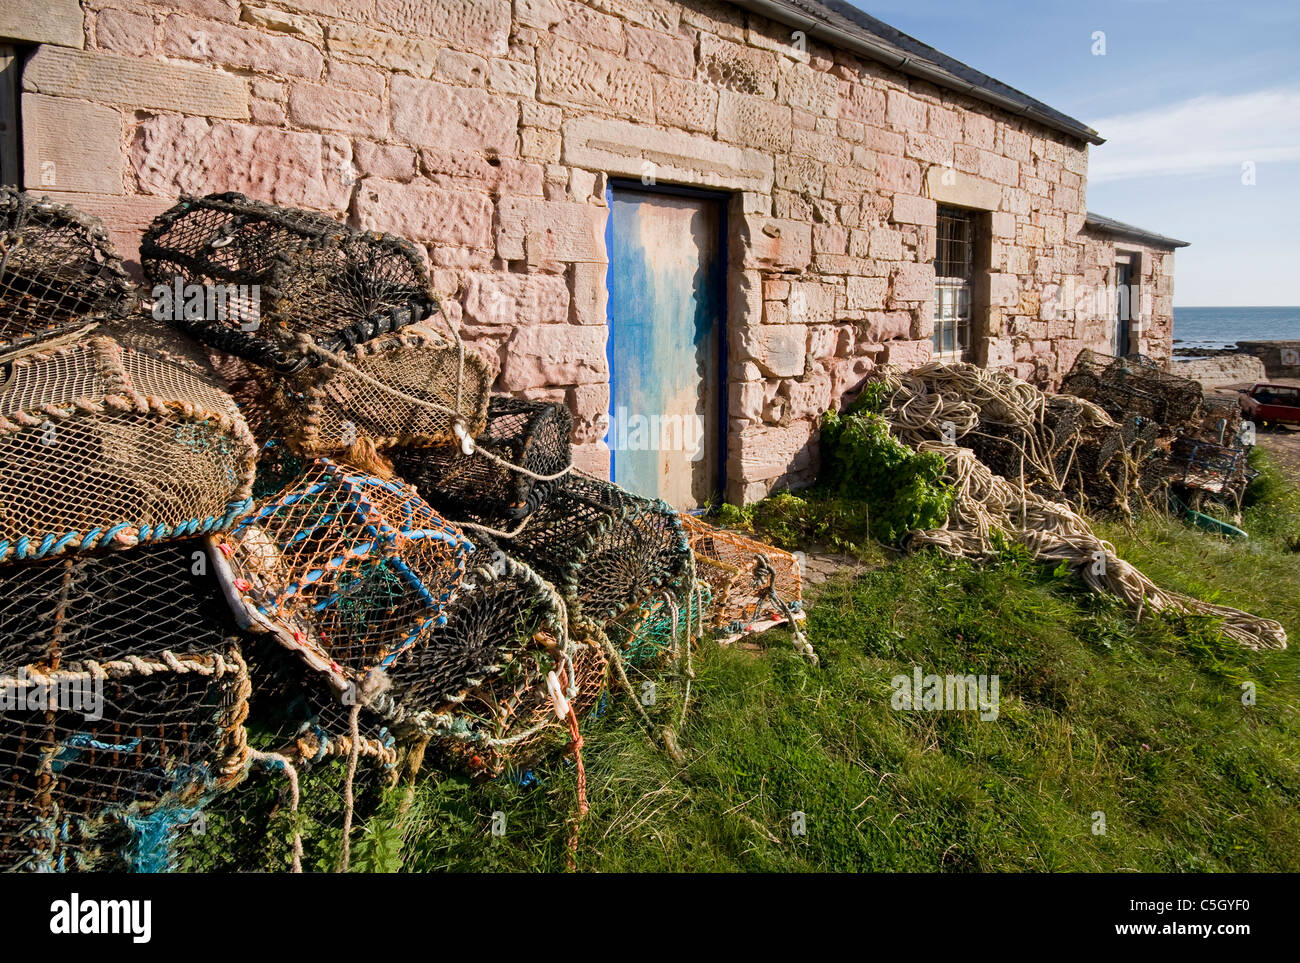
(413, 387)
(122, 702)
(314, 276)
(1133, 385)
(278, 467)
(659, 626)
(57, 270)
(102, 446)
(345, 568)
(749, 582)
(531, 435)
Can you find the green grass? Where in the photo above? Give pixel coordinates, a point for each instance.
(1142, 721)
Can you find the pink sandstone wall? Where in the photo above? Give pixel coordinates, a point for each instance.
(485, 130)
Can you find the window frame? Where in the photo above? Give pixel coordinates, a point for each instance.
(954, 284)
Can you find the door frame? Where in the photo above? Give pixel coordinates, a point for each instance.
(723, 199)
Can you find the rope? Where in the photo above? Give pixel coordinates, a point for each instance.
(354, 729)
(575, 746)
(274, 760)
(986, 505)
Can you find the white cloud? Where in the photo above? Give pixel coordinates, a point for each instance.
(1215, 133)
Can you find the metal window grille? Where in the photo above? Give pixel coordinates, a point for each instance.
(953, 273)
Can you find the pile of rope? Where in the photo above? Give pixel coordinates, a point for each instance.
(934, 406)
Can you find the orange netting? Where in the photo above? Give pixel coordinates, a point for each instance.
(749, 579)
(346, 568)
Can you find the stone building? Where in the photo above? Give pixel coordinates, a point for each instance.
(724, 213)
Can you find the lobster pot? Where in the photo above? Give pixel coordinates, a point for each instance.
(530, 434)
(328, 409)
(504, 621)
(1134, 385)
(285, 273)
(511, 722)
(1060, 421)
(1097, 449)
(1206, 466)
(102, 446)
(57, 270)
(749, 581)
(249, 392)
(122, 702)
(1219, 421)
(345, 568)
(602, 547)
(1139, 435)
(308, 720)
(1154, 474)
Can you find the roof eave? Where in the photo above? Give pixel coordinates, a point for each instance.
(903, 62)
(1107, 225)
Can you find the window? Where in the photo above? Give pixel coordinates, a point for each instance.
(953, 277)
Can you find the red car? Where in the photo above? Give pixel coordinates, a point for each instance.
(1267, 404)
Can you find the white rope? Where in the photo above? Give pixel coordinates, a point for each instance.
(986, 505)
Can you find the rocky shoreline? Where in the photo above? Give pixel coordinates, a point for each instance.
(1246, 362)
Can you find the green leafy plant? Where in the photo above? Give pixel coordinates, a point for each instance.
(904, 490)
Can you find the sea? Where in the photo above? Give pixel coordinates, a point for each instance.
(1205, 329)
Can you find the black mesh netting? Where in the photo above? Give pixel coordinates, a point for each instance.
(502, 617)
(530, 434)
(122, 701)
(314, 276)
(602, 547)
(57, 270)
(1133, 386)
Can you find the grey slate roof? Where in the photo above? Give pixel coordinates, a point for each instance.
(840, 24)
(1108, 225)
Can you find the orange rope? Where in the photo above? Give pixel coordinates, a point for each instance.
(575, 744)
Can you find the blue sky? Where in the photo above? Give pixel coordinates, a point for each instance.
(1185, 94)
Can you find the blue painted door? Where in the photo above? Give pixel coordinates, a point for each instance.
(665, 344)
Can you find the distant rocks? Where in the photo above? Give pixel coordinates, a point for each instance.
(1225, 368)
